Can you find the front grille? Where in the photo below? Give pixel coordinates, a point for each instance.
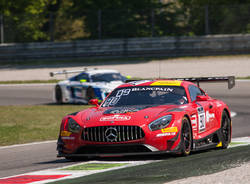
(112, 133)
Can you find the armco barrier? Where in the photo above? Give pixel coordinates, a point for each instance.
(132, 47)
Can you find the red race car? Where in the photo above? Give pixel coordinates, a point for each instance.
(148, 117)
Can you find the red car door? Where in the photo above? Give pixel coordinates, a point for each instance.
(201, 119)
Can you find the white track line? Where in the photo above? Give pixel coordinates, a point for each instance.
(28, 144)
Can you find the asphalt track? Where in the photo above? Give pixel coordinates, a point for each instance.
(22, 159)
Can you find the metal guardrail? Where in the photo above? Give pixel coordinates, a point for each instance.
(133, 47)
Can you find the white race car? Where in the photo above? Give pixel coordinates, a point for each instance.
(88, 84)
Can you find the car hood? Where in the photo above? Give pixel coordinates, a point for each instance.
(134, 115)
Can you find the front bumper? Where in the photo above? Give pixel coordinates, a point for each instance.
(114, 150)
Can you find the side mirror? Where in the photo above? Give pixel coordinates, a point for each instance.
(202, 98)
(94, 102)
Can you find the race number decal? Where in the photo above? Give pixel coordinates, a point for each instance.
(123, 92)
(201, 119)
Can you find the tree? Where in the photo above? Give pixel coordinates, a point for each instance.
(115, 18)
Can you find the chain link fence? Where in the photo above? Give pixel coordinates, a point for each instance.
(102, 24)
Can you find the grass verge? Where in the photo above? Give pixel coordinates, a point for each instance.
(23, 124)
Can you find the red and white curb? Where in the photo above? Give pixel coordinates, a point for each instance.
(52, 175)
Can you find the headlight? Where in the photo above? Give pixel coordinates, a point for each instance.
(73, 126)
(160, 123)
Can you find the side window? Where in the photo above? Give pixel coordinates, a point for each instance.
(83, 77)
(194, 92)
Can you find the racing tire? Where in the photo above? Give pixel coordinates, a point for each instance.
(58, 94)
(186, 137)
(90, 93)
(225, 130)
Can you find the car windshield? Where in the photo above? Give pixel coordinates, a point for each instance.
(146, 95)
(107, 77)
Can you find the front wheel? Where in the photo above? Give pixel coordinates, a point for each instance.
(225, 130)
(186, 137)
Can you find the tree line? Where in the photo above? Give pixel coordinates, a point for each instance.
(60, 20)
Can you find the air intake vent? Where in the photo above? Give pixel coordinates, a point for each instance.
(112, 133)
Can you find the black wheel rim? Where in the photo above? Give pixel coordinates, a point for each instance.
(226, 129)
(186, 135)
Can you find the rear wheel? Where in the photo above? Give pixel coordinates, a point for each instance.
(58, 94)
(186, 137)
(225, 130)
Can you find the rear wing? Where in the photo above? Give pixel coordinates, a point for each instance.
(66, 72)
(229, 79)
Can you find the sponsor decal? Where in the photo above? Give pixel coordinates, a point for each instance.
(169, 129)
(165, 89)
(209, 116)
(218, 104)
(201, 118)
(166, 134)
(166, 83)
(65, 133)
(115, 118)
(194, 122)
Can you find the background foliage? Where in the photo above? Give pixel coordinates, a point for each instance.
(60, 20)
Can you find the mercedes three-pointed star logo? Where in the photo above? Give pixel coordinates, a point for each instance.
(111, 134)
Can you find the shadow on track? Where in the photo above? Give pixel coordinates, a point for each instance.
(173, 168)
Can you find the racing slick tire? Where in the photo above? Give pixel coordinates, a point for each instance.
(186, 137)
(58, 94)
(90, 93)
(225, 130)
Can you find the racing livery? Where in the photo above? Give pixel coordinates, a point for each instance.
(147, 117)
(87, 85)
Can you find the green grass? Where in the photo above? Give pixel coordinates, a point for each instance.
(24, 124)
(94, 166)
(248, 77)
(237, 143)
